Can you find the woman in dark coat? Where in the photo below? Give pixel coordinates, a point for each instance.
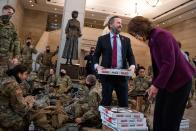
(172, 74)
(73, 32)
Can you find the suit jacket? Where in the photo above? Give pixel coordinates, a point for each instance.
(104, 48)
(171, 70)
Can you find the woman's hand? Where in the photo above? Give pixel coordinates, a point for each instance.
(152, 92)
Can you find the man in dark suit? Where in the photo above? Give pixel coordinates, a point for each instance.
(116, 52)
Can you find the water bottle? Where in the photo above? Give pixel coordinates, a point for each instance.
(31, 126)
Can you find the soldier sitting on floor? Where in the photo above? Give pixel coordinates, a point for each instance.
(13, 106)
(87, 113)
(64, 82)
(141, 84)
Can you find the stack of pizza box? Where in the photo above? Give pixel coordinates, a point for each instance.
(122, 119)
(184, 124)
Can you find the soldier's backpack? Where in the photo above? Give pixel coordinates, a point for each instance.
(70, 127)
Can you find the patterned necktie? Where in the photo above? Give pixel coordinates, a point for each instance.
(114, 52)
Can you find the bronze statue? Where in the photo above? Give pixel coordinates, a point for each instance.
(73, 32)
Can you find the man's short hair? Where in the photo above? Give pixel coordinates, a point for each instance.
(5, 7)
(91, 79)
(111, 20)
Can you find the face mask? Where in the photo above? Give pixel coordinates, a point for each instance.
(92, 51)
(48, 51)
(62, 74)
(28, 43)
(5, 18)
(88, 85)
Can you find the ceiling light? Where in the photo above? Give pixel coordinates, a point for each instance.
(163, 23)
(152, 3)
(32, 5)
(55, 15)
(92, 15)
(55, 8)
(179, 17)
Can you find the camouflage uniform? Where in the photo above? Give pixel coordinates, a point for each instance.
(141, 84)
(64, 84)
(88, 109)
(45, 62)
(9, 45)
(27, 56)
(52, 80)
(13, 107)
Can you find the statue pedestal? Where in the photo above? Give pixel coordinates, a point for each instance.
(72, 70)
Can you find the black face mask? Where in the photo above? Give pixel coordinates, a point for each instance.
(48, 51)
(5, 18)
(28, 43)
(92, 51)
(62, 74)
(88, 85)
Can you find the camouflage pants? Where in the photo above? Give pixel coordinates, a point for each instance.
(43, 72)
(11, 120)
(3, 70)
(76, 110)
(144, 104)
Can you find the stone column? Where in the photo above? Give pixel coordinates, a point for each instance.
(69, 6)
(2, 3)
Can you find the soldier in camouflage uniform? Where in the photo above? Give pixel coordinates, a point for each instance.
(87, 113)
(27, 52)
(45, 62)
(13, 106)
(64, 82)
(141, 84)
(9, 43)
(52, 79)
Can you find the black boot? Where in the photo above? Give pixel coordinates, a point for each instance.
(67, 62)
(71, 62)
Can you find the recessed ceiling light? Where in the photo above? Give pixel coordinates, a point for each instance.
(32, 5)
(55, 8)
(30, 1)
(163, 23)
(55, 15)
